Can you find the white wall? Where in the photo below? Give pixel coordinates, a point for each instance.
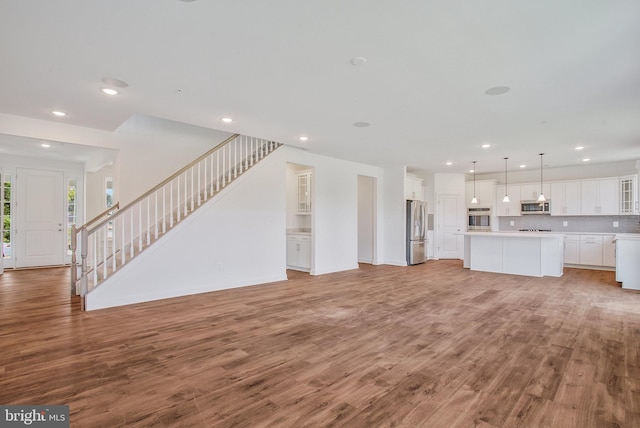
(240, 238)
(453, 184)
(366, 219)
(151, 149)
(334, 198)
(96, 186)
(236, 239)
(394, 216)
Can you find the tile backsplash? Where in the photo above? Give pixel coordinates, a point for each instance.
(586, 224)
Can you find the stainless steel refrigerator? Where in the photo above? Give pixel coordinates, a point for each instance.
(416, 231)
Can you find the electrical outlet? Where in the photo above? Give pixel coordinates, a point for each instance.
(565, 223)
(512, 223)
(615, 224)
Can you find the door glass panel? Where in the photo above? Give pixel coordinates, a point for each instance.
(72, 209)
(6, 216)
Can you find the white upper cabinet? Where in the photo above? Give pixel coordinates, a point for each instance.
(629, 195)
(511, 208)
(304, 193)
(485, 193)
(599, 196)
(413, 189)
(531, 191)
(565, 198)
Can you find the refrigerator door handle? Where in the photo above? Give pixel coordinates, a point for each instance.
(424, 220)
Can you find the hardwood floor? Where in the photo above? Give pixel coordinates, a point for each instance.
(432, 345)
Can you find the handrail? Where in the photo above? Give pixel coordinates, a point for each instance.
(180, 171)
(102, 214)
(168, 179)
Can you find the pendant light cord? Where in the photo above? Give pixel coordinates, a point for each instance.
(474, 179)
(506, 183)
(474, 200)
(541, 190)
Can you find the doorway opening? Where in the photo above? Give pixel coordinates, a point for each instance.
(299, 223)
(367, 201)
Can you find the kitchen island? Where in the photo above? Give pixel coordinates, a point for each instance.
(628, 260)
(516, 253)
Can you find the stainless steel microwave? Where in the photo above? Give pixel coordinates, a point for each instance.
(535, 207)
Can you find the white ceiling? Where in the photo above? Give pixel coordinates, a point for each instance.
(283, 69)
(92, 158)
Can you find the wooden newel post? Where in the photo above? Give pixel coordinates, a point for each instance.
(74, 262)
(84, 250)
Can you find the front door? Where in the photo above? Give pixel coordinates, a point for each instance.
(40, 236)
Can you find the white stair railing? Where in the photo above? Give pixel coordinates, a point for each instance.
(75, 231)
(107, 245)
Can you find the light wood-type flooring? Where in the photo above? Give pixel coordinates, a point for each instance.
(432, 345)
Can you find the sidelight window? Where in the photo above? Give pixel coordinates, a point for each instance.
(72, 209)
(5, 200)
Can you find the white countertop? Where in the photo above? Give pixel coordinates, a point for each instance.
(298, 232)
(628, 236)
(596, 233)
(509, 234)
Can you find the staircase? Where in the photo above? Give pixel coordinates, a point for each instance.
(108, 242)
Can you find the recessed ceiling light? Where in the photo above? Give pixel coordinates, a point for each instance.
(523, 166)
(586, 160)
(486, 146)
(361, 124)
(109, 91)
(111, 81)
(471, 170)
(303, 138)
(358, 60)
(579, 147)
(497, 90)
(58, 113)
(226, 119)
(45, 145)
(449, 163)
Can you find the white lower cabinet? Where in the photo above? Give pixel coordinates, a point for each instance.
(299, 252)
(591, 250)
(627, 256)
(429, 244)
(572, 249)
(609, 250)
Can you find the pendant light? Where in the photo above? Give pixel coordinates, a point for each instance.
(506, 185)
(541, 198)
(474, 200)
